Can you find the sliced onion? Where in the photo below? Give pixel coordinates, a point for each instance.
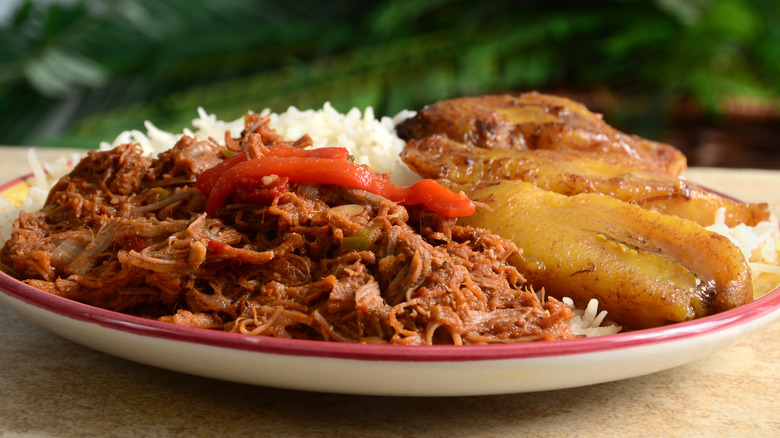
(67, 251)
(347, 209)
(145, 261)
(104, 238)
(160, 204)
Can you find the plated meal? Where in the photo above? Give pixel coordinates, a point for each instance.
(493, 219)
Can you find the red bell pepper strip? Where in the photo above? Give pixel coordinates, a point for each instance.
(210, 176)
(258, 191)
(338, 172)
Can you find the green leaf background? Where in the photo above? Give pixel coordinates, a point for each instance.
(77, 73)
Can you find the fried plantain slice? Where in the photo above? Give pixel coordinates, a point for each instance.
(570, 172)
(533, 121)
(645, 268)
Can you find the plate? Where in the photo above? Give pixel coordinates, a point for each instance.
(388, 370)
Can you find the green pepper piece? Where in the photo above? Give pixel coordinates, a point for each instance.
(360, 241)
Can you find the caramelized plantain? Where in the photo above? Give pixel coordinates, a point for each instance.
(645, 268)
(570, 172)
(533, 121)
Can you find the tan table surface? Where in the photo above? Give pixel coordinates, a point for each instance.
(53, 387)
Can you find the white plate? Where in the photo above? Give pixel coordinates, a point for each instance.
(387, 369)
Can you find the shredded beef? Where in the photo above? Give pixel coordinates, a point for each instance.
(128, 233)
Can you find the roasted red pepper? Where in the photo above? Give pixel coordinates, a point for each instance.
(311, 169)
(210, 176)
(260, 191)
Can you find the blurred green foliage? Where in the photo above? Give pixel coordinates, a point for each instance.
(76, 73)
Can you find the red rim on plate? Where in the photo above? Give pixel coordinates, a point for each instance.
(14, 288)
(437, 353)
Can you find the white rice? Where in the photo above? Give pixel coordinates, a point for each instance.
(372, 142)
(759, 243)
(588, 321)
